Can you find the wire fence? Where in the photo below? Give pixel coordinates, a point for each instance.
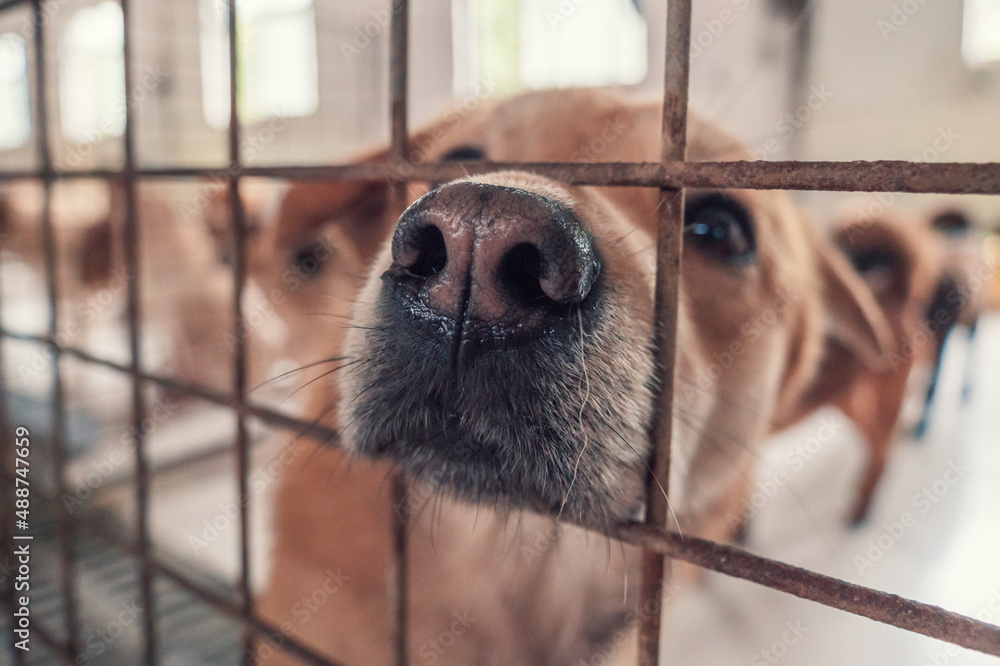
(671, 175)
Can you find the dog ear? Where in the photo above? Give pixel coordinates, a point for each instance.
(853, 318)
(359, 208)
(854, 330)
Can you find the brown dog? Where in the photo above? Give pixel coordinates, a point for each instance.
(901, 262)
(499, 353)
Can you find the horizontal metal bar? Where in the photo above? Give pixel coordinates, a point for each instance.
(880, 606)
(229, 607)
(273, 417)
(861, 176)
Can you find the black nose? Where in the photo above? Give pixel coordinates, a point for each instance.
(492, 258)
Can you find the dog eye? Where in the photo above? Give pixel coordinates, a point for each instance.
(463, 154)
(721, 227)
(865, 261)
(308, 260)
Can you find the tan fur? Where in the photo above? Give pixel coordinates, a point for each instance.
(542, 594)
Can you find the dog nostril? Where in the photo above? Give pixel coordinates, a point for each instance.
(529, 275)
(520, 273)
(424, 254)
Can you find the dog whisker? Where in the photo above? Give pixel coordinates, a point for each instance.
(292, 372)
(319, 377)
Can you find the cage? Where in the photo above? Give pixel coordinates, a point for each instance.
(116, 423)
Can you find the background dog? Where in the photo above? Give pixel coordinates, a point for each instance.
(901, 262)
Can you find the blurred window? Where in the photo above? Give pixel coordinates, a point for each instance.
(15, 107)
(277, 56)
(549, 43)
(981, 32)
(92, 74)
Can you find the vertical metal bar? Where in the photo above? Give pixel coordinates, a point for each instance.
(64, 523)
(675, 85)
(398, 75)
(130, 237)
(238, 226)
(655, 568)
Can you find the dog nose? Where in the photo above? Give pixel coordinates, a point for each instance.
(492, 256)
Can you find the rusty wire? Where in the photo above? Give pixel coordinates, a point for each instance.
(64, 523)
(134, 319)
(399, 70)
(669, 238)
(238, 227)
(856, 176)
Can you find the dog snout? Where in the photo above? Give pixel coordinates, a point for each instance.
(490, 255)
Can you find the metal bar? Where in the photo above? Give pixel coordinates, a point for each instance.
(64, 522)
(218, 601)
(238, 226)
(860, 176)
(130, 237)
(398, 76)
(675, 85)
(880, 606)
(655, 568)
(669, 238)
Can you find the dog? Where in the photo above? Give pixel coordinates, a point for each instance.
(901, 262)
(185, 291)
(498, 352)
(79, 214)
